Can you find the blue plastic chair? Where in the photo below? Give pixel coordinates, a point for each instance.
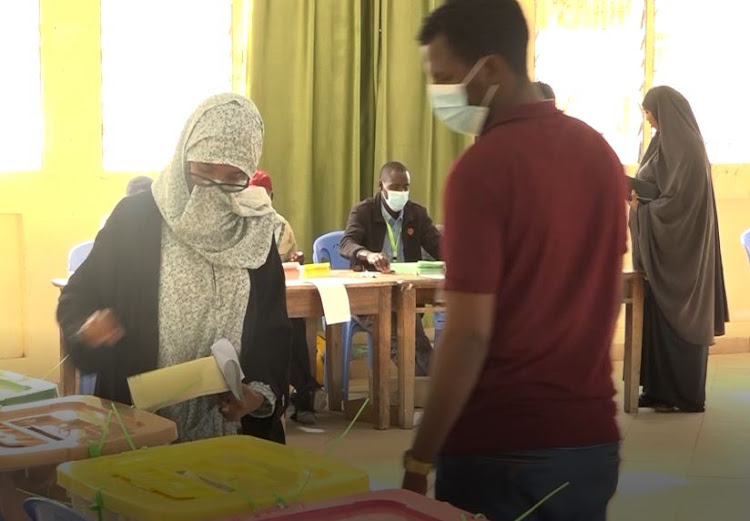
(77, 255)
(326, 249)
(745, 239)
(43, 509)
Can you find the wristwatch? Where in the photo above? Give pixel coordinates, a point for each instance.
(414, 466)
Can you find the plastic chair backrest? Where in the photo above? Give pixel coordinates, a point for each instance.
(78, 254)
(326, 249)
(745, 238)
(43, 509)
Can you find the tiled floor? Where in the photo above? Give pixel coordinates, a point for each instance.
(676, 467)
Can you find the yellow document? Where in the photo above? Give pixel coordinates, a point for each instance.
(164, 387)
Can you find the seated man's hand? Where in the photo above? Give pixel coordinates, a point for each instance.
(379, 262)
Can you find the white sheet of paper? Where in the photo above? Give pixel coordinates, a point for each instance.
(229, 364)
(339, 280)
(161, 388)
(435, 276)
(335, 300)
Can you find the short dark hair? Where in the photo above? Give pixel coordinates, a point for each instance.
(546, 90)
(477, 28)
(392, 166)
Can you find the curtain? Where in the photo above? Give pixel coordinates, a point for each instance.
(305, 75)
(405, 128)
(341, 89)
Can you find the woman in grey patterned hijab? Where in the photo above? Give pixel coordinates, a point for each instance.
(186, 264)
(215, 228)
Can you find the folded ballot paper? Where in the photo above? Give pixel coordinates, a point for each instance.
(430, 268)
(422, 268)
(207, 376)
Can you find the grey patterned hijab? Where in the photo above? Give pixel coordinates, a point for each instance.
(209, 241)
(227, 229)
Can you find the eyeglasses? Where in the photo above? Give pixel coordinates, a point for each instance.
(224, 187)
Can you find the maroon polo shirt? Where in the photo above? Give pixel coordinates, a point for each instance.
(534, 215)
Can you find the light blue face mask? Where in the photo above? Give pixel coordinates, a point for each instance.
(451, 104)
(397, 200)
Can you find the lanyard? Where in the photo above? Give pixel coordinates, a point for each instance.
(394, 240)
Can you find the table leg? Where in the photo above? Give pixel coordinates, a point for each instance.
(380, 392)
(627, 374)
(68, 374)
(633, 345)
(406, 305)
(333, 366)
(311, 328)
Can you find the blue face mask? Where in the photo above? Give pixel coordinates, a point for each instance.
(451, 104)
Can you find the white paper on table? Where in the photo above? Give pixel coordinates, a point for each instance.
(436, 276)
(335, 300)
(179, 383)
(229, 364)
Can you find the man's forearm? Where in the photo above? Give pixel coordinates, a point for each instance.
(456, 368)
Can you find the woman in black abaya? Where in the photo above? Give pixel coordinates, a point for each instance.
(676, 243)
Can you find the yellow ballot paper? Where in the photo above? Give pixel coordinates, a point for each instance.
(215, 374)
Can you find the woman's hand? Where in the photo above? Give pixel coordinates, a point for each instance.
(233, 410)
(633, 202)
(101, 329)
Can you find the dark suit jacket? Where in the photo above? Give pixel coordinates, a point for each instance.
(122, 273)
(366, 230)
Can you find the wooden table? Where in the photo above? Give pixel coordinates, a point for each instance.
(366, 297)
(412, 294)
(371, 297)
(407, 296)
(633, 288)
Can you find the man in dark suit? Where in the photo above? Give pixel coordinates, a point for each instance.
(391, 228)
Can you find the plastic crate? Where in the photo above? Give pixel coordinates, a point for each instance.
(386, 505)
(36, 437)
(17, 389)
(205, 480)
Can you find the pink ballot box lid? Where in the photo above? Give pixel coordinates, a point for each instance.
(54, 431)
(385, 505)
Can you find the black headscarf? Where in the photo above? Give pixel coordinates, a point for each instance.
(675, 237)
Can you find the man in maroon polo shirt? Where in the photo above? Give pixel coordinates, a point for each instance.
(521, 398)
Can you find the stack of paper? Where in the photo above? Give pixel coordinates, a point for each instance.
(430, 268)
(405, 268)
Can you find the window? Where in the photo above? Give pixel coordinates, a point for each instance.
(22, 129)
(700, 51)
(160, 58)
(591, 54)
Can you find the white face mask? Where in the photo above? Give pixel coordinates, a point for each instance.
(451, 104)
(397, 200)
